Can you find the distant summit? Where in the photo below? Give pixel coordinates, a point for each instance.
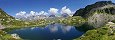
(52, 15)
(64, 15)
(98, 14)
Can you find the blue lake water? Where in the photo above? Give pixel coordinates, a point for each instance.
(50, 32)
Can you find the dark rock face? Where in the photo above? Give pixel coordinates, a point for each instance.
(42, 15)
(98, 14)
(84, 12)
(52, 16)
(64, 15)
(113, 11)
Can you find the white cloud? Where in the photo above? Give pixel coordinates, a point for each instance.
(66, 10)
(50, 12)
(21, 13)
(43, 13)
(53, 10)
(32, 13)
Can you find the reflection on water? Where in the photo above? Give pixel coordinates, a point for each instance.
(50, 32)
(59, 27)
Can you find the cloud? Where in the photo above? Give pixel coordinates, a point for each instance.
(42, 13)
(32, 13)
(21, 13)
(53, 10)
(66, 10)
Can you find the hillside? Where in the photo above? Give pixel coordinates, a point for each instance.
(98, 6)
(5, 18)
(98, 14)
(4, 14)
(107, 32)
(100, 17)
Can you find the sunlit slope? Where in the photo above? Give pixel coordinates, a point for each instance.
(100, 17)
(106, 32)
(98, 14)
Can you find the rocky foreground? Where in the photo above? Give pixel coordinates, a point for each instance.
(100, 19)
(107, 32)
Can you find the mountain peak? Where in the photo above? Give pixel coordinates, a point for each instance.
(84, 12)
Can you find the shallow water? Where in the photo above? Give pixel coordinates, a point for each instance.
(50, 32)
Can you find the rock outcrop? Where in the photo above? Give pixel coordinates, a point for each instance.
(98, 14)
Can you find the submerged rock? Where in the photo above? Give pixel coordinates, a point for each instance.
(15, 36)
(1, 26)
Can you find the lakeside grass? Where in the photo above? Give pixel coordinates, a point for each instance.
(5, 36)
(16, 24)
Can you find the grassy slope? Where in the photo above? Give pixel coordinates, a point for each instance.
(104, 33)
(5, 36)
(77, 20)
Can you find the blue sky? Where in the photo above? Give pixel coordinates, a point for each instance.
(14, 6)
